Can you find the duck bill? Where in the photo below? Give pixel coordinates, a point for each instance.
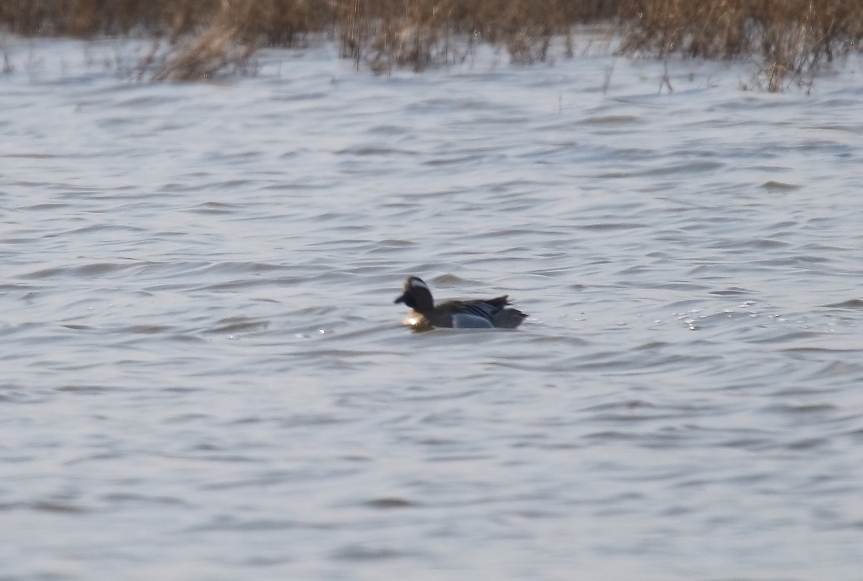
(401, 299)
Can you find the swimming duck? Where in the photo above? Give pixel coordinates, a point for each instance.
(479, 314)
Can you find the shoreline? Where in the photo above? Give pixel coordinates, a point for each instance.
(789, 41)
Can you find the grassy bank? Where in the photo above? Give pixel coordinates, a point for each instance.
(789, 39)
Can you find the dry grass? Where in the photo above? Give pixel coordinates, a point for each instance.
(206, 37)
(419, 33)
(790, 38)
(232, 34)
(86, 18)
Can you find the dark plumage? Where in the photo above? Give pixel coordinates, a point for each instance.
(476, 314)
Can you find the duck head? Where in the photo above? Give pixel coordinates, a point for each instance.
(417, 295)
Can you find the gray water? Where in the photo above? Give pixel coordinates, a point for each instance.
(204, 376)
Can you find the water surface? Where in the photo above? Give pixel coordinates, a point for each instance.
(204, 376)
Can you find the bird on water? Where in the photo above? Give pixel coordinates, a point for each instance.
(476, 314)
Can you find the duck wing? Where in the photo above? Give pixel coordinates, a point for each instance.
(476, 314)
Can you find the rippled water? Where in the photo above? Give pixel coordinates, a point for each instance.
(204, 376)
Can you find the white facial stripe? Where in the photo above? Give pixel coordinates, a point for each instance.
(417, 283)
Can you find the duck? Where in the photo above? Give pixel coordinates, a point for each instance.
(476, 314)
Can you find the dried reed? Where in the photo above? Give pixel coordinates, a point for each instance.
(423, 32)
(235, 31)
(791, 38)
(87, 18)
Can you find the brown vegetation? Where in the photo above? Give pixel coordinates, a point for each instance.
(422, 32)
(235, 30)
(791, 38)
(85, 18)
